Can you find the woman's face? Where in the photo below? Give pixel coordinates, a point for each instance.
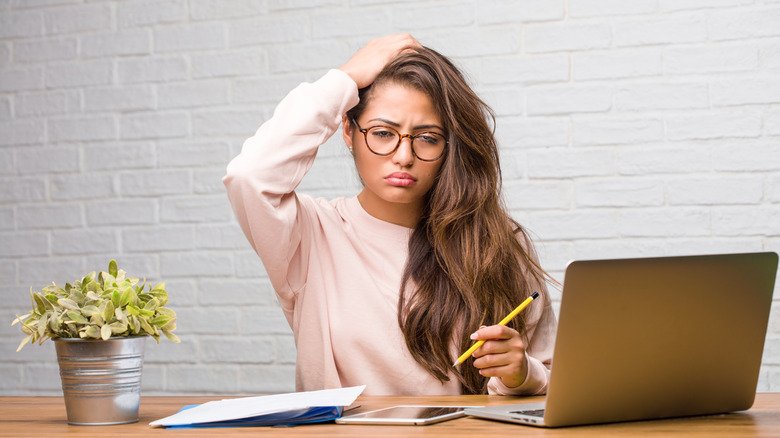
(399, 180)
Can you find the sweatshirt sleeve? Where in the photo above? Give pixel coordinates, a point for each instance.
(261, 180)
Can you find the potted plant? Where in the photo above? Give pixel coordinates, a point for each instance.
(99, 325)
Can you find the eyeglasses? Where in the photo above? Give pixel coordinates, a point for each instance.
(384, 140)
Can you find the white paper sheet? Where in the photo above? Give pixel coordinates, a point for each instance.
(245, 407)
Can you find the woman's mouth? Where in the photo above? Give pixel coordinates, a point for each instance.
(400, 179)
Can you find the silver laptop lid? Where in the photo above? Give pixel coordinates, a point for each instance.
(659, 337)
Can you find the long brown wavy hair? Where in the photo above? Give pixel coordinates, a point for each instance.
(469, 262)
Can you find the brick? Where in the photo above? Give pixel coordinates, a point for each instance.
(220, 237)
(217, 9)
(18, 79)
(538, 195)
(18, 132)
(143, 266)
(731, 157)
(47, 103)
(285, 28)
(167, 352)
(49, 216)
(769, 56)
(571, 224)
(720, 124)
(156, 69)
(285, 350)
(236, 350)
(199, 379)
(125, 98)
(83, 128)
(157, 238)
(122, 212)
(154, 125)
(181, 292)
(772, 122)
(199, 264)
(715, 191)
(568, 99)
(150, 12)
(37, 272)
(7, 162)
(281, 5)
(658, 96)
(5, 108)
(527, 132)
(618, 248)
(566, 36)
(663, 222)
(198, 94)
(424, 16)
(5, 54)
(771, 351)
(82, 73)
(196, 209)
(16, 24)
(118, 43)
(730, 221)
(616, 130)
(81, 186)
(682, 29)
(154, 183)
(40, 160)
(24, 243)
(619, 192)
(17, 301)
(241, 293)
(704, 59)
(218, 123)
(269, 89)
(213, 320)
(153, 380)
(264, 320)
(309, 56)
(192, 154)
(208, 181)
(248, 265)
(616, 63)
(485, 41)
(187, 37)
(567, 162)
(22, 189)
(85, 241)
(43, 378)
(7, 220)
(678, 5)
(745, 23)
(504, 101)
(332, 23)
(656, 159)
(119, 156)
(596, 8)
(710, 245)
(513, 11)
(524, 69)
(267, 379)
(773, 189)
(238, 63)
(51, 49)
(79, 18)
(739, 92)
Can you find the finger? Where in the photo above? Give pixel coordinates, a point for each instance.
(494, 360)
(500, 347)
(494, 332)
(502, 371)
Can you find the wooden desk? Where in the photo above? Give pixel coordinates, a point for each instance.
(45, 416)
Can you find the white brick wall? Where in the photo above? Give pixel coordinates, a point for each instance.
(635, 128)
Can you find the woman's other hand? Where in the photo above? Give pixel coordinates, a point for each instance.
(364, 66)
(502, 355)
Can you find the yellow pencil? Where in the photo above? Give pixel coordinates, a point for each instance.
(504, 321)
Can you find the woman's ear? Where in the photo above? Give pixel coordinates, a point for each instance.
(346, 132)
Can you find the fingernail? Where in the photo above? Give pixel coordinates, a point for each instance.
(473, 336)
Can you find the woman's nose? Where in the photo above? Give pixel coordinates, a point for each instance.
(404, 156)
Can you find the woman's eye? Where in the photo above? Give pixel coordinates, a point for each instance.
(429, 138)
(382, 134)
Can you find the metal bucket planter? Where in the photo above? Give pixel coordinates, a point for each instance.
(101, 380)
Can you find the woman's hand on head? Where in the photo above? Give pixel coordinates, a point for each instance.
(364, 66)
(502, 355)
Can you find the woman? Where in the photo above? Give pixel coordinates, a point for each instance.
(387, 288)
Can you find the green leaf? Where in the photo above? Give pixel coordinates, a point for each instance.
(118, 328)
(105, 332)
(24, 342)
(108, 311)
(120, 315)
(172, 337)
(91, 331)
(76, 317)
(90, 310)
(112, 267)
(116, 299)
(20, 319)
(68, 304)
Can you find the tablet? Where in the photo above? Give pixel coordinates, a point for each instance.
(406, 415)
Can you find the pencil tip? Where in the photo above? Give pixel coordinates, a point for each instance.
(455, 364)
(535, 295)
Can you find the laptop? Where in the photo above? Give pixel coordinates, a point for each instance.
(651, 338)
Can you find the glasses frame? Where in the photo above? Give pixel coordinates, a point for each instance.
(400, 139)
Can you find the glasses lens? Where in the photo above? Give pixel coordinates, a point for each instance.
(428, 145)
(382, 140)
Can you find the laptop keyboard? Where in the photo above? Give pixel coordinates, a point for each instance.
(532, 413)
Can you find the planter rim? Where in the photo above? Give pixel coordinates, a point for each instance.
(118, 338)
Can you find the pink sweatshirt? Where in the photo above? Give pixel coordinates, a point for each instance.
(335, 268)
